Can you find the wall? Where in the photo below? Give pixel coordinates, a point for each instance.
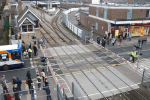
(68, 5)
(138, 13)
(84, 19)
(92, 11)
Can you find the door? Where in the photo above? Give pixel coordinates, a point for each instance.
(126, 31)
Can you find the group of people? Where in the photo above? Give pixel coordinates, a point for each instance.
(28, 52)
(108, 38)
(17, 86)
(45, 83)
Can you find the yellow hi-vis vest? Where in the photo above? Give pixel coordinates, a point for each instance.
(29, 50)
(133, 54)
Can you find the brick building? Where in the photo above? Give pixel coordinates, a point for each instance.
(115, 19)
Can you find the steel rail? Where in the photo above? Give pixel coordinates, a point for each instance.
(85, 74)
(100, 73)
(72, 74)
(114, 74)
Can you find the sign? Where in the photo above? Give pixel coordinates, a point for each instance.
(116, 32)
(6, 24)
(140, 23)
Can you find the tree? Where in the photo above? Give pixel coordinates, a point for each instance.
(2, 5)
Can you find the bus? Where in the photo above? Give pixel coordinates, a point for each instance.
(11, 57)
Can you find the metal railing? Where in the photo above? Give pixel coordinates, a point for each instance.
(146, 79)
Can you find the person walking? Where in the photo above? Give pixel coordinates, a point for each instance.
(29, 83)
(9, 97)
(16, 89)
(43, 74)
(32, 92)
(133, 56)
(124, 35)
(19, 82)
(109, 35)
(113, 41)
(14, 80)
(28, 75)
(4, 84)
(105, 36)
(130, 35)
(120, 40)
(23, 48)
(38, 81)
(30, 52)
(48, 92)
(103, 42)
(35, 50)
(29, 43)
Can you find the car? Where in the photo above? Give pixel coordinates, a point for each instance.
(78, 18)
(77, 14)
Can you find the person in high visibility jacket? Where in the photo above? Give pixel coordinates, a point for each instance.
(30, 52)
(133, 56)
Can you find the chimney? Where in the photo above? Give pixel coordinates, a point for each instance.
(19, 6)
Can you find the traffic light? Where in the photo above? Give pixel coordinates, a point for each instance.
(142, 41)
(136, 47)
(33, 37)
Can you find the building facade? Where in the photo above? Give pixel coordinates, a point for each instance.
(116, 19)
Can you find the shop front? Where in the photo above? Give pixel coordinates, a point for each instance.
(140, 29)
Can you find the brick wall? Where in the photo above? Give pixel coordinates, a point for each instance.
(138, 13)
(117, 14)
(92, 10)
(84, 19)
(102, 26)
(101, 12)
(68, 6)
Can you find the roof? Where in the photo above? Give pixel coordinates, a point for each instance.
(25, 12)
(8, 47)
(33, 18)
(24, 19)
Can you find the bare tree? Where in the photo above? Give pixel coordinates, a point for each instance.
(2, 5)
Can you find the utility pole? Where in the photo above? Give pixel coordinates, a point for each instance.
(47, 4)
(50, 4)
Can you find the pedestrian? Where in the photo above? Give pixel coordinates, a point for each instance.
(35, 50)
(43, 74)
(133, 56)
(28, 75)
(29, 52)
(9, 97)
(19, 82)
(103, 42)
(98, 40)
(120, 40)
(124, 35)
(109, 35)
(113, 41)
(29, 43)
(46, 82)
(130, 35)
(16, 89)
(38, 81)
(48, 92)
(107, 41)
(29, 83)
(13, 80)
(4, 84)
(104, 36)
(4, 95)
(32, 91)
(23, 48)
(23, 42)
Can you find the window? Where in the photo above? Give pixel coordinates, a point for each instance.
(96, 26)
(105, 13)
(129, 14)
(24, 28)
(30, 28)
(147, 13)
(97, 12)
(4, 57)
(15, 55)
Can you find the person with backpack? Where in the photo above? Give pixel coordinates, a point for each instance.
(98, 40)
(38, 81)
(43, 74)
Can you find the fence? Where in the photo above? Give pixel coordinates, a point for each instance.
(146, 79)
(84, 35)
(77, 94)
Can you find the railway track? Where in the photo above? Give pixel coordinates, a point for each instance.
(55, 36)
